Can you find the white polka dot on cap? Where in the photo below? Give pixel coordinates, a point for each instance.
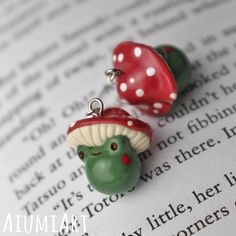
(150, 71)
(137, 52)
(120, 57)
(157, 105)
(155, 111)
(130, 123)
(132, 80)
(139, 92)
(123, 87)
(173, 95)
(143, 106)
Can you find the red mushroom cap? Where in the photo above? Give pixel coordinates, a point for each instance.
(113, 121)
(146, 78)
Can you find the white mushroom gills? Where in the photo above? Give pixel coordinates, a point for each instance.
(97, 134)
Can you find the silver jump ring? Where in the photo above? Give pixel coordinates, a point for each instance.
(112, 74)
(95, 107)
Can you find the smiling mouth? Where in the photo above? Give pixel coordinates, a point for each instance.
(96, 154)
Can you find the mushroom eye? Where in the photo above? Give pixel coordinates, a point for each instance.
(114, 146)
(81, 155)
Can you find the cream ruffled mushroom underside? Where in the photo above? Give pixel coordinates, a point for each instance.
(97, 134)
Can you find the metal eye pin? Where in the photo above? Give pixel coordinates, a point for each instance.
(95, 107)
(112, 74)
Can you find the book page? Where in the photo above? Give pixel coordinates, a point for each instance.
(53, 55)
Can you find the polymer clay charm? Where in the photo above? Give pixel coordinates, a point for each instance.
(149, 78)
(108, 141)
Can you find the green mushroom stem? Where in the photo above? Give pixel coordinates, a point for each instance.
(178, 64)
(113, 167)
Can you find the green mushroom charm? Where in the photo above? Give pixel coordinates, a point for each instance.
(108, 142)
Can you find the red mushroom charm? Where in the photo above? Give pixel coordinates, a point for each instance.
(108, 143)
(149, 77)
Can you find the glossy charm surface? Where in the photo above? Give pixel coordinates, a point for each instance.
(150, 78)
(108, 143)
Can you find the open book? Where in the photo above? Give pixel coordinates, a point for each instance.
(53, 55)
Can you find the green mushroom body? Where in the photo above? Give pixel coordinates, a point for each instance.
(178, 64)
(113, 167)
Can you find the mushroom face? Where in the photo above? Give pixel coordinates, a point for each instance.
(113, 167)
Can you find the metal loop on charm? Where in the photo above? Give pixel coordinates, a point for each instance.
(112, 74)
(95, 107)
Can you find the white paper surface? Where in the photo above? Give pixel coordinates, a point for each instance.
(53, 55)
